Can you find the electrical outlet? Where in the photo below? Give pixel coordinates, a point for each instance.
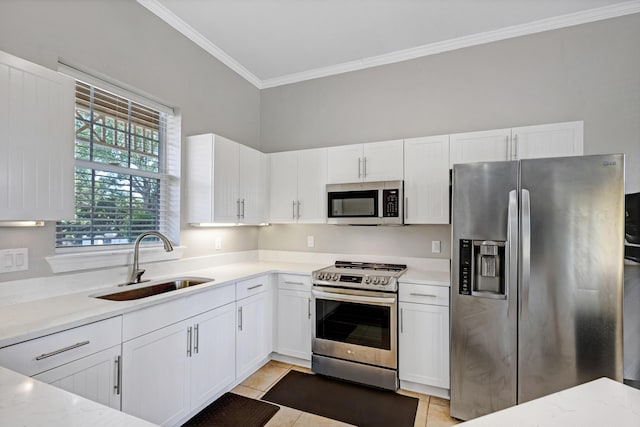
(311, 241)
(14, 260)
(218, 243)
(435, 246)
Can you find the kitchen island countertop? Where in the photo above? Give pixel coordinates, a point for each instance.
(602, 402)
(31, 403)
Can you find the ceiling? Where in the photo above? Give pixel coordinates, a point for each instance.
(276, 42)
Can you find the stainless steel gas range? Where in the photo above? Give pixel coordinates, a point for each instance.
(355, 334)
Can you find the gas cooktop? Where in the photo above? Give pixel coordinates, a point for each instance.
(360, 275)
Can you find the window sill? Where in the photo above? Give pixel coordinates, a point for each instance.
(63, 263)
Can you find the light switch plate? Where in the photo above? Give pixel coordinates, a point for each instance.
(14, 260)
(311, 241)
(435, 246)
(218, 243)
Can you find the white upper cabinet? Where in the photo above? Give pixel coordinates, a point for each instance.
(375, 161)
(483, 146)
(36, 140)
(226, 181)
(298, 186)
(528, 142)
(553, 140)
(426, 180)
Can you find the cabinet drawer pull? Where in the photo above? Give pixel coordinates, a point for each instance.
(423, 295)
(309, 308)
(240, 318)
(401, 321)
(255, 287)
(293, 283)
(62, 350)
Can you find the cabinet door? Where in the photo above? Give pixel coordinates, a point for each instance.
(284, 187)
(294, 323)
(383, 161)
(199, 176)
(426, 180)
(484, 146)
(423, 346)
(94, 377)
(213, 359)
(252, 338)
(155, 375)
(312, 186)
(252, 185)
(552, 140)
(345, 164)
(226, 192)
(36, 141)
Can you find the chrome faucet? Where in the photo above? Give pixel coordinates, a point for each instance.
(136, 272)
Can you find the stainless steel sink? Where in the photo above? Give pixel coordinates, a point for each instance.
(155, 288)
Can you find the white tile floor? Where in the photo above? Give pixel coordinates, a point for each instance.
(432, 411)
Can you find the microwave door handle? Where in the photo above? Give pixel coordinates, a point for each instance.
(354, 298)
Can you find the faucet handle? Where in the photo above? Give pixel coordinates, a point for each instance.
(138, 274)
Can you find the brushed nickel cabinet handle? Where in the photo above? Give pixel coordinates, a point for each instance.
(309, 308)
(255, 287)
(423, 295)
(401, 321)
(293, 283)
(240, 318)
(293, 209)
(116, 380)
(189, 338)
(62, 350)
(196, 331)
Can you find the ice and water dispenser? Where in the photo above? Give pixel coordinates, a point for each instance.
(482, 268)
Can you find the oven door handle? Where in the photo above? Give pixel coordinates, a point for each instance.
(354, 298)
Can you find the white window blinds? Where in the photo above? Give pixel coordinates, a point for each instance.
(127, 160)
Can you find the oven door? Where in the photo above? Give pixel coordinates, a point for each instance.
(356, 325)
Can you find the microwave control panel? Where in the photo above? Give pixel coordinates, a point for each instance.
(390, 203)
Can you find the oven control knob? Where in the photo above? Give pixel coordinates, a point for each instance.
(335, 277)
(375, 280)
(384, 281)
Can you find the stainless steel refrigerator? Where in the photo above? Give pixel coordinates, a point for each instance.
(537, 279)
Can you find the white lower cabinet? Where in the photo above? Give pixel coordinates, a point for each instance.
(423, 346)
(295, 313)
(155, 375)
(170, 372)
(83, 360)
(213, 360)
(254, 325)
(95, 377)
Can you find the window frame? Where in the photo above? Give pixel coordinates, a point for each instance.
(69, 258)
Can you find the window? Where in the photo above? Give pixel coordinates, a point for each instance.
(125, 177)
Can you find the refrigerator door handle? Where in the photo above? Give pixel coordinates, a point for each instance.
(512, 247)
(526, 252)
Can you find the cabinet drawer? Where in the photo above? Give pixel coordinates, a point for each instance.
(152, 318)
(210, 299)
(41, 354)
(423, 294)
(256, 285)
(294, 282)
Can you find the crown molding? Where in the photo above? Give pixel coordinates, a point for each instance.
(188, 31)
(554, 23)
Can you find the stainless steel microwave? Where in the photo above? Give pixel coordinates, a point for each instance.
(365, 203)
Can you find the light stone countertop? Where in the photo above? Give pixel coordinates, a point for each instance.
(28, 320)
(426, 277)
(33, 319)
(602, 402)
(32, 403)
